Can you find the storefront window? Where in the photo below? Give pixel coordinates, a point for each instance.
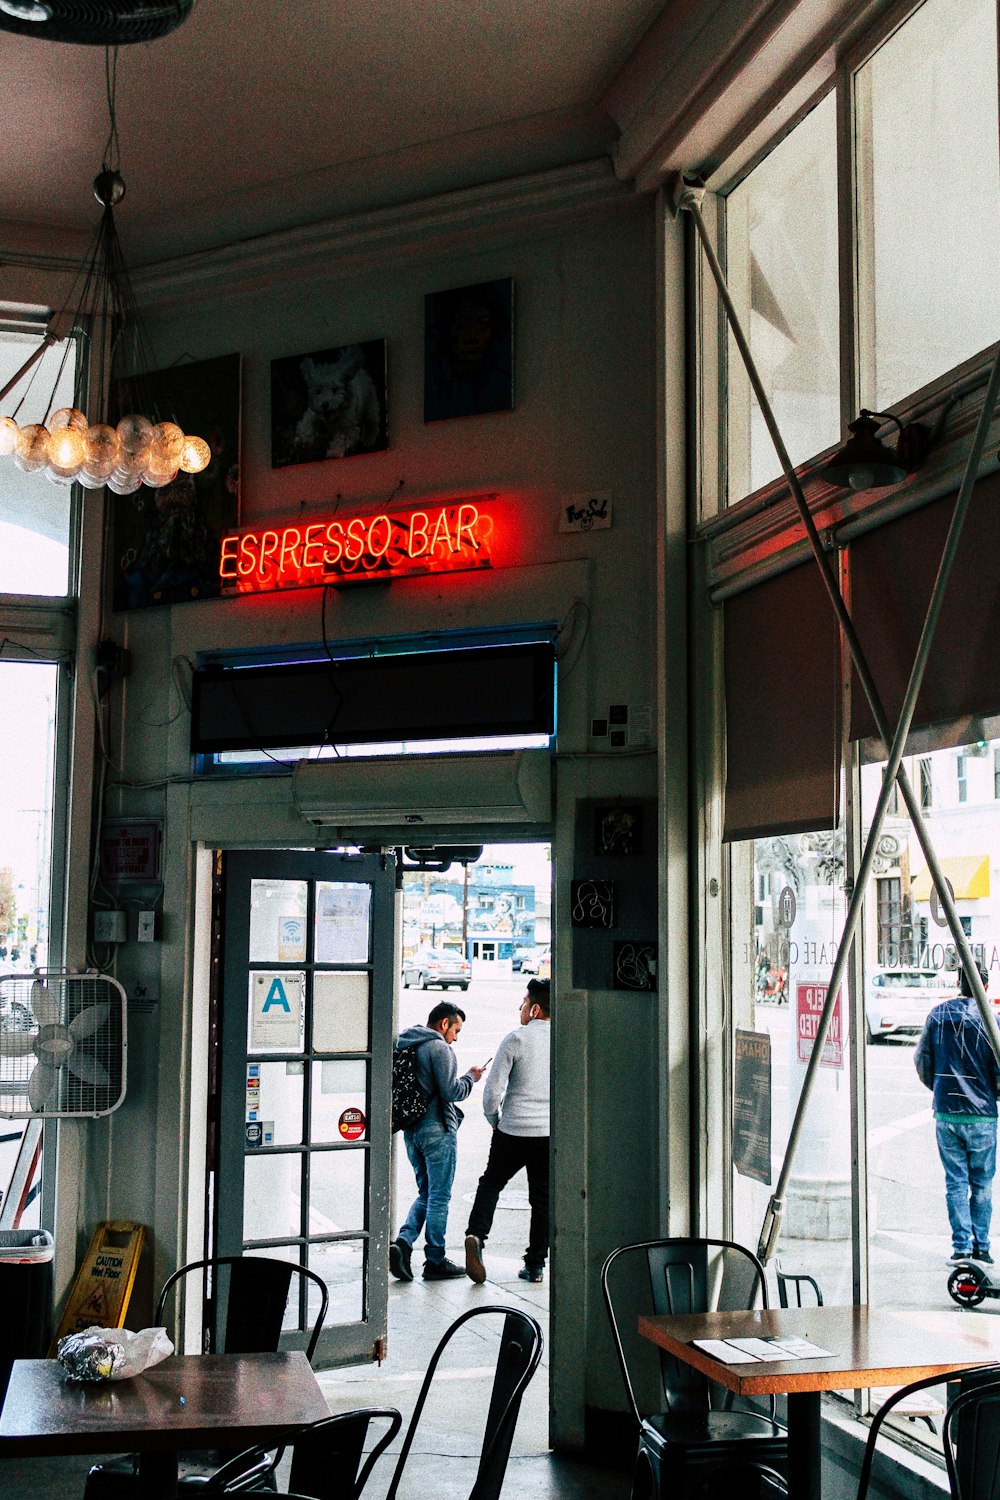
(904, 978)
(928, 198)
(781, 252)
(35, 522)
(783, 950)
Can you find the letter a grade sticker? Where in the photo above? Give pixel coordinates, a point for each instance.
(276, 1010)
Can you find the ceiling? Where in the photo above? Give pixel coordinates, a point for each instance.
(258, 115)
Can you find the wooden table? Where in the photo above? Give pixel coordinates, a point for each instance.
(869, 1347)
(230, 1400)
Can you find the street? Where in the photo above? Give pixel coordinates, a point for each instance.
(491, 1007)
(910, 1239)
(909, 1236)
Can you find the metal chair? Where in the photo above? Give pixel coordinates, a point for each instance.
(796, 1280)
(518, 1354)
(972, 1437)
(250, 1294)
(971, 1434)
(326, 1458)
(693, 1438)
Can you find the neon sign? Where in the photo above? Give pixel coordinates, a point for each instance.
(439, 538)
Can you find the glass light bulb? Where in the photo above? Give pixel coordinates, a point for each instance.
(59, 476)
(135, 432)
(92, 481)
(66, 451)
(166, 446)
(8, 436)
(196, 456)
(124, 484)
(101, 442)
(101, 450)
(31, 452)
(861, 477)
(157, 478)
(68, 417)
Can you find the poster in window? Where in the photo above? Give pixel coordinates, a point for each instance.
(752, 1105)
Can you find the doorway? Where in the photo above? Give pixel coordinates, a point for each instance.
(502, 900)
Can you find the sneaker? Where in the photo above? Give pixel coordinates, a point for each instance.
(442, 1270)
(959, 1257)
(982, 1256)
(474, 1268)
(531, 1273)
(399, 1260)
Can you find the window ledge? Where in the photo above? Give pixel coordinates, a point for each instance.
(763, 535)
(897, 1474)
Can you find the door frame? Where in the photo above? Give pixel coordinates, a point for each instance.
(346, 1342)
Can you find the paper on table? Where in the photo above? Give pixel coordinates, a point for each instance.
(759, 1348)
(725, 1353)
(801, 1349)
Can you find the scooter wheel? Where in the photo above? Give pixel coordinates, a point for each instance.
(967, 1286)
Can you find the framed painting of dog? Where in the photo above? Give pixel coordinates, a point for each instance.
(329, 404)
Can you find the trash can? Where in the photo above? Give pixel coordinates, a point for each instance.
(25, 1297)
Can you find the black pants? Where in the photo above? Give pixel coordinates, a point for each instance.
(508, 1154)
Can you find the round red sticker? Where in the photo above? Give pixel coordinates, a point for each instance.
(352, 1124)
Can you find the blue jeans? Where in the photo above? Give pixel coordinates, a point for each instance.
(432, 1151)
(969, 1156)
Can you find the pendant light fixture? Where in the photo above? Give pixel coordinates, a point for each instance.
(102, 313)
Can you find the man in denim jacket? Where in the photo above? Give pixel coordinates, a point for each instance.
(431, 1144)
(955, 1059)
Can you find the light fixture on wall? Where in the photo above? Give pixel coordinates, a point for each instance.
(66, 444)
(866, 463)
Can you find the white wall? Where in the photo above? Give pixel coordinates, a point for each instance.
(585, 418)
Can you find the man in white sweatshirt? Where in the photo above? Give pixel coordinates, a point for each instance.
(516, 1103)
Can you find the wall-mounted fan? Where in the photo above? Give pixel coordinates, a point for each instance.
(62, 1044)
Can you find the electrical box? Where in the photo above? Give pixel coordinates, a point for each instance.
(147, 927)
(110, 927)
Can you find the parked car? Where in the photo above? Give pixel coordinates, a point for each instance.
(897, 1000)
(518, 958)
(538, 961)
(443, 966)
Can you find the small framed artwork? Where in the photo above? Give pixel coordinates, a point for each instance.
(634, 966)
(617, 830)
(592, 903)
(469, 350)
(329, 404)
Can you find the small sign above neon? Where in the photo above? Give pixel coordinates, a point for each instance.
(446, 537)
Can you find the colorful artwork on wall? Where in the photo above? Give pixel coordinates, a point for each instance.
(165, 542)
(329, 404)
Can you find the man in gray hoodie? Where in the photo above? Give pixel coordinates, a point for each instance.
(431, 1143)
(516, 1103)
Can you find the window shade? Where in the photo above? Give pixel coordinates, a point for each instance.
(782, 708)
(892, 575)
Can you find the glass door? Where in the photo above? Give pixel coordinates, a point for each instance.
(304, 1082)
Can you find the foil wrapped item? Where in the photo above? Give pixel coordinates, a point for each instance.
(98, 1354)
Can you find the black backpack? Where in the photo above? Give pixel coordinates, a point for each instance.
(409, 1098)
